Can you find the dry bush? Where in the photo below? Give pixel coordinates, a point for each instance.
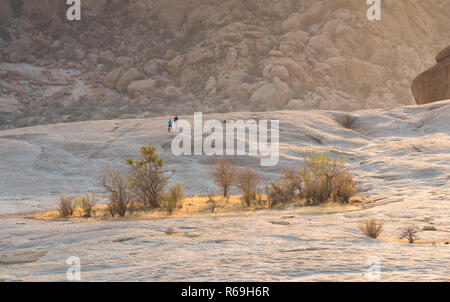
(223, 175)
(371, 228)
(279, 193)
(260, 201)
(146, 178)
(316, 192)
(87, 204)
(115, 187)
(174, 198)
(410, 233)
(247, 181)
(211, 202)
(343, 187)
(293, 178)
(66, 206)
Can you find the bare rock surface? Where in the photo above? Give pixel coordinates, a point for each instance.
(401, 156)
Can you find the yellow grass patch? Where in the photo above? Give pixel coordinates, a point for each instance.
(198, 206)
(418, 241)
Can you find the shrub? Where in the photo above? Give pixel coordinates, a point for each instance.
(293, 178)
(410, 233)
(146, 178)
(66, 206)
(223, 174)
(247, 181)
(174, 198)
(325, 178)
(87, 204)
(371, 228)
(343, 187)
(279, 193)
(260, 201)
(211, 201)
(115, 186)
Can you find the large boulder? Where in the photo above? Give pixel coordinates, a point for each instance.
(131, 75)
(433, 85)
(145, 87)
(265, 95)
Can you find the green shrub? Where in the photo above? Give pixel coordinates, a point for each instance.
(146, 178)
(325, 178)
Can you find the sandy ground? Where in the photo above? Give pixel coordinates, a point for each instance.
(401, 156)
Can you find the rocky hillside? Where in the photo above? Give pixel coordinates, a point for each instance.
(129, 58)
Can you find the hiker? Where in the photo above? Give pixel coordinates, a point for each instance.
(170, 125)
(175, 120)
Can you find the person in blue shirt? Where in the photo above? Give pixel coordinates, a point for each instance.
(170, 125)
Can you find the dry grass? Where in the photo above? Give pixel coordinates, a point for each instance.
(201, 206)
(371, 228)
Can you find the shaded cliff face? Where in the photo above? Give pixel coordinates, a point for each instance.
(151, 57)
(434, 84)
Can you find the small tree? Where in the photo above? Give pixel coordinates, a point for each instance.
(223, 174)
(146, 178)
(247, 181)
(116, 188)
(410, 233)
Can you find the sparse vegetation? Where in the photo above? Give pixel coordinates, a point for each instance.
(66, 206)
(115, 186)
(223, 175)
(174, 198)
(146, 178)
(87, 203)
(247, 181)
(410, 233)
(211, 202)
(325, 179)
(371, 228)
(279, 193)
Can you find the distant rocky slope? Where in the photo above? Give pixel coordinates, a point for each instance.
(129, 58)
(434, 84)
